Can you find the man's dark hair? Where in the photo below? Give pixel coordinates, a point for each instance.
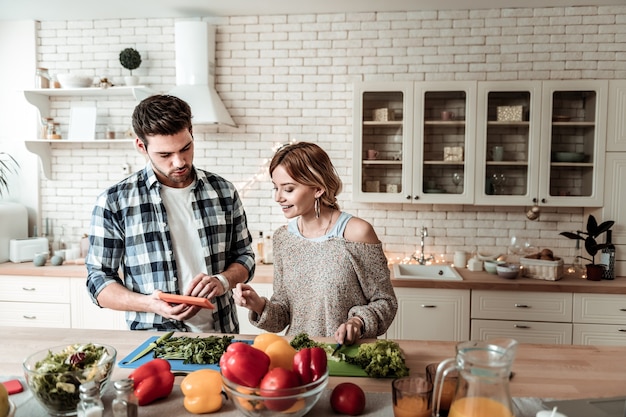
(161, 114)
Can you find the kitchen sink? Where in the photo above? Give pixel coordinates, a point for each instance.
(434, 272)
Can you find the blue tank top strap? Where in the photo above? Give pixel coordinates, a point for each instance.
(340, 225)
(337, 230)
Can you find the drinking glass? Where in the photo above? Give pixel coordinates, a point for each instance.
(456, 180)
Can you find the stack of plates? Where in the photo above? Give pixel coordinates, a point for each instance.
(569, 156)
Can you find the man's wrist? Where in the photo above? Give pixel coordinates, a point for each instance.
(224, 281)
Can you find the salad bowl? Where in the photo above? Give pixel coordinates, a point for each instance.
(54, 375)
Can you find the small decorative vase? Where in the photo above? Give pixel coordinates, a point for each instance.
(594, 272)
(131, 80)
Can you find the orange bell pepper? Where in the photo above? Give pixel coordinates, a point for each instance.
(203, 391)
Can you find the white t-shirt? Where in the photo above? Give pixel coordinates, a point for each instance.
(186, 242)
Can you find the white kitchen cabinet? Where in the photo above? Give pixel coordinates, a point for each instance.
(41, 98)
(616, 122)
(382, 123)
(599, 319)
(87, 315)
(431, 314)
(529, 317)
(614, 203)
(553, 134)
(27, 301)
(416, 153)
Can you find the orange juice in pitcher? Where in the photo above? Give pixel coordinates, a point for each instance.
(483, 370)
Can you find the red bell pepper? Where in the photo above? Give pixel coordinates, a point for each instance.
(244, 364)
(153, 380)
(310, 364)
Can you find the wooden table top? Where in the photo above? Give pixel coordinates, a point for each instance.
(545, 371)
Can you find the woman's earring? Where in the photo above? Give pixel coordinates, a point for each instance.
(317, 208)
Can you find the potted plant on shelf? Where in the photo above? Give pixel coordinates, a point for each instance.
(131, 60)
(594, 271)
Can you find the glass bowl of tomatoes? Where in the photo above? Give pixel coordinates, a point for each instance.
(264, 402)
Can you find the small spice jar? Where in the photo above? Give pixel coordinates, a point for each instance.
(90, 404)
(125, 403)
(42, 78)
(54, 130)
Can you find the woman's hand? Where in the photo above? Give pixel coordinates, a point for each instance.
(350, 331)
(245, 296)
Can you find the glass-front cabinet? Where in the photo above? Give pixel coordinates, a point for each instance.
(412, 142)
(443, 149)
(541, 143)
(383, 126)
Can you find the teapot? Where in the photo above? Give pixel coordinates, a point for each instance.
(482, 388)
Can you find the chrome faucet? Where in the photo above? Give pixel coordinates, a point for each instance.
(421, 259)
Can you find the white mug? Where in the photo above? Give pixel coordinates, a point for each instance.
(497, 153)
(460, 259)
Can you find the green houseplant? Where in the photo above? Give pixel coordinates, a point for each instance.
(131, 60)
(594, 271)
(8, 165)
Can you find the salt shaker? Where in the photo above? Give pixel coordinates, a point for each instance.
(125, 403)
(90, 404)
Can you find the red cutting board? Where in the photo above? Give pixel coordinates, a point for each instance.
(335, 368)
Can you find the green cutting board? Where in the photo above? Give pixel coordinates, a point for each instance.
(342, 368)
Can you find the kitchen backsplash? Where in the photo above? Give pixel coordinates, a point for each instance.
(289, 77)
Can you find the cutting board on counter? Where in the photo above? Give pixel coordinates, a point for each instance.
(335, 368)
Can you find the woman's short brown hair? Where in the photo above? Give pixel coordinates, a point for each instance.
(310, 165)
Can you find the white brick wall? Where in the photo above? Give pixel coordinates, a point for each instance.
(289, 77)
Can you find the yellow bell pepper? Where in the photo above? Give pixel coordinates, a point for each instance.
(203, 391)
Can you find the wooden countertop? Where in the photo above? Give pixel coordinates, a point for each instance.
(545, 371)
(471, 280)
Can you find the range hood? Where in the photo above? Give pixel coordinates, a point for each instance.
(195, 73)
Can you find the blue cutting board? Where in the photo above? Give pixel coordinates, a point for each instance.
(335, 368)
(177, 364)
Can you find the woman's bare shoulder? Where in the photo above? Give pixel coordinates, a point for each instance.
(359, 230)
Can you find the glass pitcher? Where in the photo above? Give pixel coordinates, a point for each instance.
(482, 389)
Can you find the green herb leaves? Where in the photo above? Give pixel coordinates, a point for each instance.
(195, 350)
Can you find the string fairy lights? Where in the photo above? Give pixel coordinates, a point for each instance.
(262, 173)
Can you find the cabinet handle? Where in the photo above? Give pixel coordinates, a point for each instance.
(428, 306)
(30, 317)
(417, 197)
(622, 309)
(408, 197)
(29, 289)
(543, 200)
(621, 330)
(521, 305)
(521, 326)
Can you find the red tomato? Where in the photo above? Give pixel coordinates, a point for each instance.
(273, 382)
(348, 398)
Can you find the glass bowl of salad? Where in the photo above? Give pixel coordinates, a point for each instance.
(55, 374)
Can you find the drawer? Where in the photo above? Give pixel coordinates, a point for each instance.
(599, 334)
(600, 308)
(34, 289)
(522, 305)
(523, 331)
(35, 314)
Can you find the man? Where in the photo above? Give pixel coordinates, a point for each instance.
(169, 227)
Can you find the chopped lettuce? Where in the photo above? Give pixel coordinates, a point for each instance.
(381, 359)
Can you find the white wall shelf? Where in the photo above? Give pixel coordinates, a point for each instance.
(40, 98)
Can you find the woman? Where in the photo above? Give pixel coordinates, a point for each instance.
(330, 273)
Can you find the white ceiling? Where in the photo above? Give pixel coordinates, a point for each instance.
(92, 9)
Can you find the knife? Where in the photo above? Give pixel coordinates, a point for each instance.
(336, 349)
(151, 346)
